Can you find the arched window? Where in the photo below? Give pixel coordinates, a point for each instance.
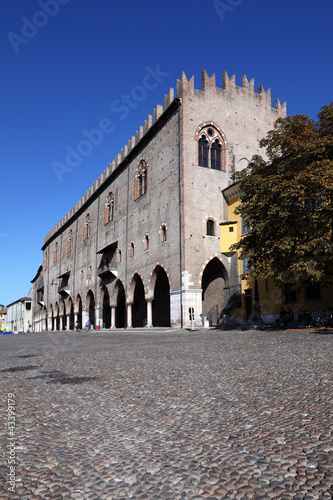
(109, 208)
(163, 233)
(55, 255)
(203, 151)
(89, 271)
(70, 241)
(212, 147)
(210, 228)
(81, 274)
(141, 179)
(119, 256)
(131, 250)
(215, 155)
(45, 261)
(86, 229)
(146, 243)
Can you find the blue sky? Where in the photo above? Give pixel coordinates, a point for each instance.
(67, 65)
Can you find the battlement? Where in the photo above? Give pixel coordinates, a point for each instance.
(184, 87)
(230, 89)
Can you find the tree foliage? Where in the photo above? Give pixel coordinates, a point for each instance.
(287, 201)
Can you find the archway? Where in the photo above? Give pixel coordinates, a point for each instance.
(57, 316)
(70, 312)
(78, 309)
(62, 315)
(106, 314)
(44, 319)
(161, 302)
(214, 280)
(90, 304)
(120, 305)
(139, 307)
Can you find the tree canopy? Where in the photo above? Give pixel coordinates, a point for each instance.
(287, 202)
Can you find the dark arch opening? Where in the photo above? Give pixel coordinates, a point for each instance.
(79, 311)
(161, 302)
(106, 309)
(71, 316)
(121, 307)
(91, 308)
(213, 284)
(139, 308)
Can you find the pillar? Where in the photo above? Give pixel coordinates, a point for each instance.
(149, 313)
(129, 315)
(113, 317)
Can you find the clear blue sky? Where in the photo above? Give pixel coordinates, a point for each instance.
(66, 65)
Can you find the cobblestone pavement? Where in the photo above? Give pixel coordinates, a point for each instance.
(163, 414)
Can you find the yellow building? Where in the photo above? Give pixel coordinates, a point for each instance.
(306, 303)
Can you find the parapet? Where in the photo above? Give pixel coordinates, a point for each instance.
(230, 89)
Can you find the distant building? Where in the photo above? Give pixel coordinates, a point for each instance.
(3, 317)
(19, 315)
(141, 247)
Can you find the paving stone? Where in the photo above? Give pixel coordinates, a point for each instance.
(163, 414)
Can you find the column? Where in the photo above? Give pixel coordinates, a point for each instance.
(149, 313)
(96, 317)
(113, 317)
(129, 315)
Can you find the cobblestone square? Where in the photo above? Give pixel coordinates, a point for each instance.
(163, 414)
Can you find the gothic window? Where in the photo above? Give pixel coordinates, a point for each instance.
(141, 179)
(210, 226)
(203, 152)
(81, 274)
(131, 250)
(86, 229)
(89, 271)
(70, 241)
(212, 147)
(109, 208)
(119, 256)
(215, 155)
(56, 250)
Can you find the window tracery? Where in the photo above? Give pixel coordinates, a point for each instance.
(141, 179)
(212, 147)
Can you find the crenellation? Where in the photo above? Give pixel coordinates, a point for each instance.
(168, 98)
(158, 111)
(208, 83)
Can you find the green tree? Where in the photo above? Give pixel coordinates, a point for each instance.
(287, 201)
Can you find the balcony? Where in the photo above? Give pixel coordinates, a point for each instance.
(63, 288)
(106, 270)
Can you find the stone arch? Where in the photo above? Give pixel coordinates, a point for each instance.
(213, 125)
(160, 291)
(56, 316)
(90, 307)
(70, 313)
(105, 307)
(137, 298)
(118, 300)
(214, 282)
(130, 293)
(62, 314)
(78, 308)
